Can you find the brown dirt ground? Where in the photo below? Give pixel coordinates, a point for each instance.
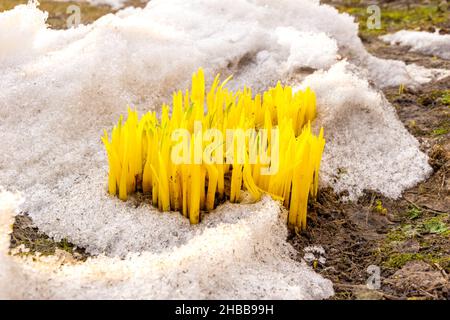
(408, 238)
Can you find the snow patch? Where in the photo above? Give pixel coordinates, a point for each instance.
(62, 88)
(114, 4)
(434, 44)
(240, 253)
(9, 203)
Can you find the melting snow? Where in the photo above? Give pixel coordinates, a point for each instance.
(114, 4)
(61, 88)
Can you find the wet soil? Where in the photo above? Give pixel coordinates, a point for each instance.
(28, 240)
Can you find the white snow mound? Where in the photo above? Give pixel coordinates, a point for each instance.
(9, 272)
(434, 44)
(367, 146)
(62, 88)
(240, 253)
(114, 4)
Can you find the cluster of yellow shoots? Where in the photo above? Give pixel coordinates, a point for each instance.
(183, 161)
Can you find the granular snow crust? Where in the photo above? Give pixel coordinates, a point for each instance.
(62, 88)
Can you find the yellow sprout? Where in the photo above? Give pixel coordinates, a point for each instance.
(216, 143)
